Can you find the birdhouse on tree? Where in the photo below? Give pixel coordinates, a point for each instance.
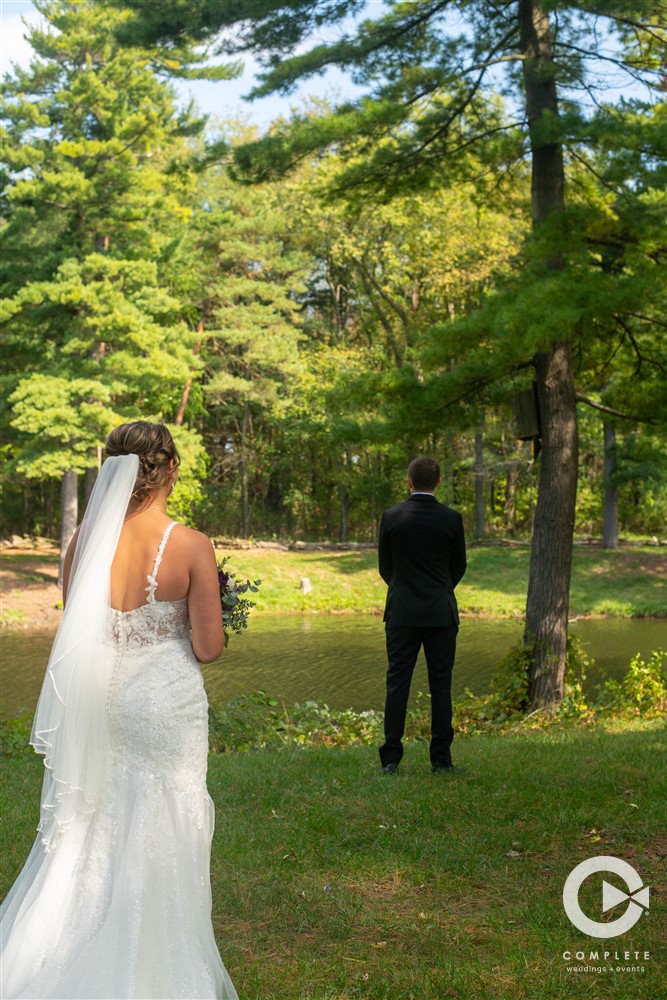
(526, 413)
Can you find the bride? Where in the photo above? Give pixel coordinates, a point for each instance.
(114, 900)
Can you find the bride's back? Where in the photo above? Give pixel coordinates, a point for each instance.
(135, 557)
(187, 566)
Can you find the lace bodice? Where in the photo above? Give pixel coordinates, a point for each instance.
(154, 621)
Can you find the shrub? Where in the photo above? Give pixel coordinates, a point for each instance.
(643, 690)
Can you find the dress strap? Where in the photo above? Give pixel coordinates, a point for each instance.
(152, 579)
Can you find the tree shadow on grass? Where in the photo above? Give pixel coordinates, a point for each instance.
(347, 563)
(16, 575)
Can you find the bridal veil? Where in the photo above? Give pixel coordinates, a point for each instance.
(70, 726)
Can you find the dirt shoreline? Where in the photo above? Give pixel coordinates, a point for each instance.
(31, 599)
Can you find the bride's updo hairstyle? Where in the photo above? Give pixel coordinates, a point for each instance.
(156, 450)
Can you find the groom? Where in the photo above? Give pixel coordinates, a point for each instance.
(422, 557)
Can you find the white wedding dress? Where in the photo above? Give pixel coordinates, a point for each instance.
(119, 906)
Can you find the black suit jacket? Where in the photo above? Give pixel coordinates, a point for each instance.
(422, 556)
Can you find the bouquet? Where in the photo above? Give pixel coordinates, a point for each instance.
(235, 608)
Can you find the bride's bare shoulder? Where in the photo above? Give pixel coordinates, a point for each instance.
(195, 541)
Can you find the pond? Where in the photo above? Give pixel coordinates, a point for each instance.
(339, 660)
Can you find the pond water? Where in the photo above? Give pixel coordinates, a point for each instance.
(339, 660)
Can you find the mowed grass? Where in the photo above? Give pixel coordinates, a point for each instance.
(626, 582)
(332, 881)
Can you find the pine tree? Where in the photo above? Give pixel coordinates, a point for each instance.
(242, 280)
(92, 337)
(429, 78)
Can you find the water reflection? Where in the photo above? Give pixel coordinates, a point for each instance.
(337, 659)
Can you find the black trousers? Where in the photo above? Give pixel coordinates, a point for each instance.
(403, 645)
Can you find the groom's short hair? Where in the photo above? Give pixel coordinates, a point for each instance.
(424, 473)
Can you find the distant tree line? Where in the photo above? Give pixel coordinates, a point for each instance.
(311, 308)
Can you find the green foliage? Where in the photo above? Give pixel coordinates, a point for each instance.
(185, 502)
(313, 333)
(235, 608)
(431, 135)
(255, 721)
(62, 421)
(578, 662)
(93, 336)
(507, 703)
(642, 692)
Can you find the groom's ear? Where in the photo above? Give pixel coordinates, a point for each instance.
(411, 485)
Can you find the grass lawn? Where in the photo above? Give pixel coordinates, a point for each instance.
(625, 582)
(332, 881)
(628, 582)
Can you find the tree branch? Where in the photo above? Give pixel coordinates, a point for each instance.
(381, 37)
(382, 317)
(611, 411)
(641, 358)
(391, 302)
(622, 64)
(518, 57)
(464, 103)
(619, 193)
(628, 22)
(648, 319)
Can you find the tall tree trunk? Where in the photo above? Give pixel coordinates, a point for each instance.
(344, 497)
(548, 175)
(89, 480)
(90, 477)
(551, 550)
(610, 509)
(185, 395)
(27, 510)
(245, 506)
(343, 522)
(69, 511)
(509, 510)
(547, 603)
(479, 484)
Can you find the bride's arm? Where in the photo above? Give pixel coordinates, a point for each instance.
(208, 640)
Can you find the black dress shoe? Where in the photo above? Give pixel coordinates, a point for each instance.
(438, 768)
(390, 768)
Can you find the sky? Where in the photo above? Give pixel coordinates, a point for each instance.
(222, 99)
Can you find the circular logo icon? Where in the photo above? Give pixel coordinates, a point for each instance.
(636, 897)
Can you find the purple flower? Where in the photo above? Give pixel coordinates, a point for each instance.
(235, 609)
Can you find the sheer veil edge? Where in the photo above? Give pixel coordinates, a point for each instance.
(70, 725)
